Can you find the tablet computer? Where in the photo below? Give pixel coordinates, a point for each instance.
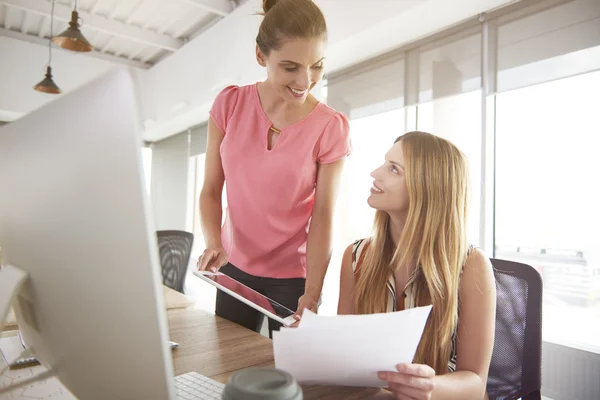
(267, 306)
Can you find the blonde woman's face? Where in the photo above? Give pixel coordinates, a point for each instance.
(389, 192)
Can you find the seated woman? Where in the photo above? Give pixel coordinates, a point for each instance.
(419, 255)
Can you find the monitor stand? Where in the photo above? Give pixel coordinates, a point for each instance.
(11, 280)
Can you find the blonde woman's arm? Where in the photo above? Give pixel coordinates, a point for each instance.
(346, 300)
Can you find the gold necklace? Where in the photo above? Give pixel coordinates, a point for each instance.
(272, 128)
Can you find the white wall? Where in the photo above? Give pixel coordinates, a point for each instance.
(169, 188)
(183, 86)
(23, 65)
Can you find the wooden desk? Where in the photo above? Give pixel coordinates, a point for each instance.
(217, 348)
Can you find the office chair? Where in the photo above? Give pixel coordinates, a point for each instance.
(174, 248)
(515, 369)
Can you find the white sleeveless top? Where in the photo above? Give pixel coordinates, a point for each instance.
(409, 293)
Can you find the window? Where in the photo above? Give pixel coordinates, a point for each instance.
(547, 135)
(552, 44)
(543, 130)
(372, 137)
(547, 199)
(375, 89)
(450, 66)
(372, 97)
(449, 106)
(458, 119)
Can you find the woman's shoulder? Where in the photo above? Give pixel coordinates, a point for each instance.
(332, 115)
(231, 93)
(475, 254)
(226, 104)
(360, 243)
(477, 265)
(358, 251)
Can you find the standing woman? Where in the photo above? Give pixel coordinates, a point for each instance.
(281, 153)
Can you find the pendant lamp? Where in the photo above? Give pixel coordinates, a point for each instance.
(47, 85)
(72, 38)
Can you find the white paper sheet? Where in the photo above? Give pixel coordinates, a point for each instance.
(349, 350)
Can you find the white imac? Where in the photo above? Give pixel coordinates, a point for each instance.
(75, 216)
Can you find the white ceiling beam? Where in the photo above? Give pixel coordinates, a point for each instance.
(25, 22)
(172, 17)
(7, 16)
(41, 27)
(136, 53)
(113, 13)
(123, 48)
(133, 12)
(107, 45)
(100, 23)
(95, 6)
(91, 37)
(152, 19)
(150, 56)
(94, 53)
(219, 7)
(168, 25)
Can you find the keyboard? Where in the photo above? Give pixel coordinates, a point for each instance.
(193, 386)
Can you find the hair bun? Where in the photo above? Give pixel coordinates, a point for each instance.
(268, 4)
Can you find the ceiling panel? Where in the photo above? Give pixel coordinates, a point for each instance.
(131, 29)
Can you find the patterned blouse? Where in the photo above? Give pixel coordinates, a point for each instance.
(358, 254)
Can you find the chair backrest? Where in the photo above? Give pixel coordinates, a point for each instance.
(174, 248)
(515, 369)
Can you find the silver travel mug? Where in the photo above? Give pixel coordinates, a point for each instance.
(262, 383)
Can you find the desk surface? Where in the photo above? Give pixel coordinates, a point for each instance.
(217, 348)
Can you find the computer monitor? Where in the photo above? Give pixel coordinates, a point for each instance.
(75, 216)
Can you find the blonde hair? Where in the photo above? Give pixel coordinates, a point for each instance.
(433, 242)
(289, 19)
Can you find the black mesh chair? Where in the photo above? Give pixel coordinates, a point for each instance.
(174, 248)
(516, 366)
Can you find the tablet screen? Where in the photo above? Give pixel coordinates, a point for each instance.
(244, 291)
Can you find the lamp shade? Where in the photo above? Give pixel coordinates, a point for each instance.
(47, 85)
(72, 38)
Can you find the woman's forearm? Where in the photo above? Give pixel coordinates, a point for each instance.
(464, 385)
(211, 214)
(318, 254)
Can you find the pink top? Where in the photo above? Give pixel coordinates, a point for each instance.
(270, 193)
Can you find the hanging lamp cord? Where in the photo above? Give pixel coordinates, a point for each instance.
(51, 34)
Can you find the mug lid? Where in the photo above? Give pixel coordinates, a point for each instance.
(262, 383)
